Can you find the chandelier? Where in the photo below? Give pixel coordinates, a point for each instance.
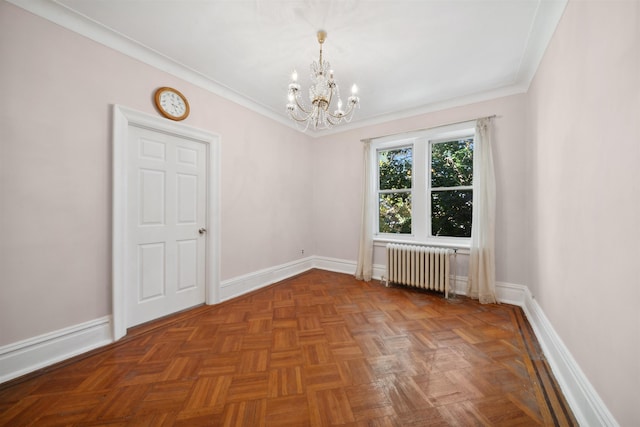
(323, 91)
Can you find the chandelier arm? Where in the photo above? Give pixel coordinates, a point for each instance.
(331, 89)
(350, 109)
(332, 123)
(304, 122)
(346, 114)
(301, 107)
(300, 119)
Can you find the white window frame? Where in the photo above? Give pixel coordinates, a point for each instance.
(421, 183)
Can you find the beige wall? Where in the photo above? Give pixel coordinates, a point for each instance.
(338, 166)
(584, 195)
(55, 175)
(566, 156)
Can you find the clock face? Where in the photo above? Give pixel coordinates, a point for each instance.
(171, 103)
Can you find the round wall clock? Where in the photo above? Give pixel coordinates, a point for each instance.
(171, 103)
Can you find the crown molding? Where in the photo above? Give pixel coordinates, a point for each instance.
(548, 15)
(515, 89)
(61, 15)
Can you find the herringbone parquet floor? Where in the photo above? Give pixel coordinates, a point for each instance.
(319, 349)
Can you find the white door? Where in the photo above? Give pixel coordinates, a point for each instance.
(166, 224)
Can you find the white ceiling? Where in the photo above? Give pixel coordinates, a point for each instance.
(406, 56)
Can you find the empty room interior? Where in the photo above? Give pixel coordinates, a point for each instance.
(227, 213)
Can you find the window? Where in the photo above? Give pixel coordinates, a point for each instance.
(394, 190)
(424, 185)
(451, 178)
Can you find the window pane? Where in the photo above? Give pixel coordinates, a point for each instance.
(452, 163)
(451, 213)
(395, 168)
(395, 213)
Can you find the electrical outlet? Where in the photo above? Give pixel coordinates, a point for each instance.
(302, 251)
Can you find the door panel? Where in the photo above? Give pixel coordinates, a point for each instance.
(187, 187)
(166, 178)
(151, 280)
(187, 264)
(151, 192)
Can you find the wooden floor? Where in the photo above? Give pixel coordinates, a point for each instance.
(319, 349)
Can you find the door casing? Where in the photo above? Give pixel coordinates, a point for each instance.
(123, 119)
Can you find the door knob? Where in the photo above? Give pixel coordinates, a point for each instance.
(202, 231)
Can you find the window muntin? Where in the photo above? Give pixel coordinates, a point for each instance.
(395, 185)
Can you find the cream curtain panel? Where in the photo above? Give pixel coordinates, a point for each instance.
(482, 271)
(364, 268)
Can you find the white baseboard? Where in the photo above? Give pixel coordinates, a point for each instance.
(510, 293)
(334, 264)
(29, 355)
(584, 401)
(246, 283)
(506, 293)
(586, 404)
(26, 356)
(35, 353)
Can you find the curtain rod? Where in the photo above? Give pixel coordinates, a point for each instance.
(429, 128)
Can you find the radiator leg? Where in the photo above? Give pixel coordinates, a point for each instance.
(455, 273)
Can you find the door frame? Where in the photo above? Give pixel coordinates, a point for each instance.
(123, 118)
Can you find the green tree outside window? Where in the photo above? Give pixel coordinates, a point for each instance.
(451, 188)
(394, 190)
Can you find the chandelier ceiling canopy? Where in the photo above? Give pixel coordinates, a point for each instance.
(326, 109)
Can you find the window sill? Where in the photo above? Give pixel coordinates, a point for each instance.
(462, 247)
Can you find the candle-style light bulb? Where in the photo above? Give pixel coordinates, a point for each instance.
(294, 76)
(290, 96)
(354, 89)
(339, 104)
